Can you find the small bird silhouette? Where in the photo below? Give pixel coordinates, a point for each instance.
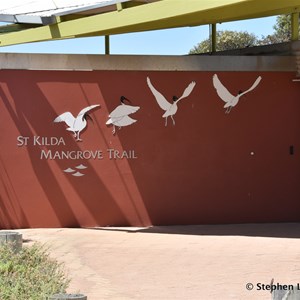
(76, 125)
(169, 108)
(227, 97)
(119, 116)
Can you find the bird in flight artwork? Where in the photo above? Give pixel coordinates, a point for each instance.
(169, 108)
(229, 99)
(120, 115)
(76, 125)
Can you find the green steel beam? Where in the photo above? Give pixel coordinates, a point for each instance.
(152, 16)
(295, 26)
(213, 37)
(107, 45)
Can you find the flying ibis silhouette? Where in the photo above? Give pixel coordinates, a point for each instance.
(76, 125)
(229, 99)
(169, 108)
(120, 115)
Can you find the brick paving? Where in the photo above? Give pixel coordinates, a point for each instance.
(176, 262)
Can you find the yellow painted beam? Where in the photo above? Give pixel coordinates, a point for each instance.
(16, 27)
(157, 15)
(119, 6)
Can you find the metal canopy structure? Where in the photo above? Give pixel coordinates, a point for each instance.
(44, 20)
(45, 12)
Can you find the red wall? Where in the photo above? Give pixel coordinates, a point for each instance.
(199, 171)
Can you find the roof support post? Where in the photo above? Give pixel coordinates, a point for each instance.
(119, 6)
(295, 26)
(107, 45)
(213, 37)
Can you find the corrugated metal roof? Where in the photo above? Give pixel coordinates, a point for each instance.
(47, 8)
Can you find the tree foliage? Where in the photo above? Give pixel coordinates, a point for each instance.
(283, 28)
(228, 40)
(282, 31)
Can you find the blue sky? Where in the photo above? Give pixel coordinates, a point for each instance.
(161, 42)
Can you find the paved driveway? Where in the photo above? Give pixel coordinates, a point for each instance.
(177, 262)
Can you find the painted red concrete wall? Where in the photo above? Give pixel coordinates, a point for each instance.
(199, 171)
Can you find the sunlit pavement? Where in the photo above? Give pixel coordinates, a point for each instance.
(176, 262)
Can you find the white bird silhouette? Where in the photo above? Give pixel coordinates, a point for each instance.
(169, 108)
(227, 97)
(76, 125)
(119, 116)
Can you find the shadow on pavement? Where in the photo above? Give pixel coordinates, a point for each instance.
(274, 230)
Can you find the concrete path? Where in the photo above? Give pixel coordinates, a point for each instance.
(177, 262)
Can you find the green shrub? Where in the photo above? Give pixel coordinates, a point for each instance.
(30, 274)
